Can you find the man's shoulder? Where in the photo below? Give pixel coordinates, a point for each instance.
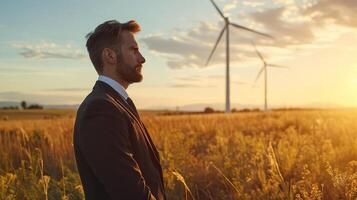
(97, 96)
(98, 101)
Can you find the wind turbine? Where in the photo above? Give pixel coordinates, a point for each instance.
(226, 28)
(265, 69)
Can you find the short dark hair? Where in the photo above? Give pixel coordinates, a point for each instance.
(106, 35)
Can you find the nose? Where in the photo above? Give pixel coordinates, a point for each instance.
(141, 58)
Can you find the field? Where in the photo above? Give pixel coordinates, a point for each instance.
(253, 155)
(6, 115)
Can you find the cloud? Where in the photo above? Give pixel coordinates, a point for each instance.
(198, 78)
(180, 50)
(292, 23)
(190, 78)
(195, 81)
(242, 83)
(342, 12)
(253, 4)
(287, 32)
(189, 85)
(69, 90)
(190, 49)
(284, 2)
(47, 50)
(230, 6)
(17, 70)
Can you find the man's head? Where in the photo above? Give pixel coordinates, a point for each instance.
(114, 52)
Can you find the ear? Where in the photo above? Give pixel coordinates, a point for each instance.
(109, 56)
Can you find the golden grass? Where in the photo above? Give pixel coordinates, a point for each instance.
(275, 155)
(31, 114)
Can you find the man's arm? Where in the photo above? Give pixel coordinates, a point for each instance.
(104, 141)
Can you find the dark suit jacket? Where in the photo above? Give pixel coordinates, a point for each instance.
(115, 155)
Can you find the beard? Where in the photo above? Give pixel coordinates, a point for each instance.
(129, 73)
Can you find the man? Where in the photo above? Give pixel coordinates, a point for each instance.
(115, 155)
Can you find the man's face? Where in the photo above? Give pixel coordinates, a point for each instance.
(129, 59)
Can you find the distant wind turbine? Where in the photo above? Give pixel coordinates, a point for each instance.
(265, 69)
(226, 27)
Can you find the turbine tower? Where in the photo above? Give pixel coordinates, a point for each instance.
(226, 28)
(265, 70)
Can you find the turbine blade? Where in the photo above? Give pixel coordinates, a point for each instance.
(215, 45)
(218, 10)
(258, 53)
(260, 72)
(251, 30)
(277, 66)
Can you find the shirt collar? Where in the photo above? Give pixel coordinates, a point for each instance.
(115, 85)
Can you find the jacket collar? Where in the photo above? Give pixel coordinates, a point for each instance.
(115, 85)
(100, 85)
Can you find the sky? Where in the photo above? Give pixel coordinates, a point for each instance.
(43, 58)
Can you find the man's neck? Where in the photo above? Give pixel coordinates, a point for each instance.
(115, 85)
(117, 79)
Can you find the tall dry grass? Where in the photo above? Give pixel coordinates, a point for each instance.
(275, 155)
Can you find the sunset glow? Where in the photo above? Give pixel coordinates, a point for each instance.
(43, 57)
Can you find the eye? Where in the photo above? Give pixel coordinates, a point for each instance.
(135, 50)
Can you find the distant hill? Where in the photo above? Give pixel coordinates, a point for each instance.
(215, 106)
(9, 103)
(221, 106)
(188, 107)
(14, 103)
(64, 106)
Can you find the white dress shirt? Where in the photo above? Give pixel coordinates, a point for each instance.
(115, 85)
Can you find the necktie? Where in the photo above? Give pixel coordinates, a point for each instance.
(132, 106)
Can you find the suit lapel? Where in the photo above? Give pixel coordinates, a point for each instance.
(121, 103)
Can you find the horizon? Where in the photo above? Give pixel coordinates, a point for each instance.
(43, 57)
(220, 107)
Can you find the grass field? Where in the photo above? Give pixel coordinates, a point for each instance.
(253, 155)
(6, 115)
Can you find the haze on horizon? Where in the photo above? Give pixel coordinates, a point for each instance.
(43, 57)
